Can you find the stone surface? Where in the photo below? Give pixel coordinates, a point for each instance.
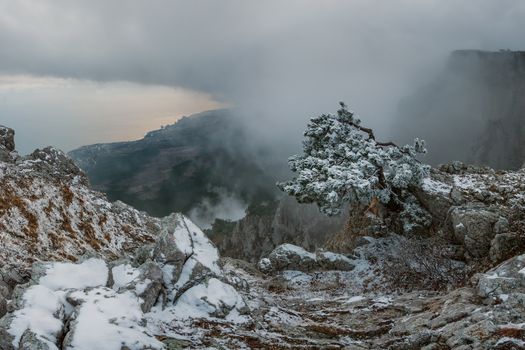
(473, 227)
(291, 257)
(30, 341)
(7, 138)
(505, 279)
(332, 261)
(505, 245)
(3, 306)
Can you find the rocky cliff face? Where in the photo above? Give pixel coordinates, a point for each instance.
(473, 111)
(270, 224)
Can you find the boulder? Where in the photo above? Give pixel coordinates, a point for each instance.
(31, 341)
(10, 278)
(173, 245)
(211, 298)
(145, 281)
(505, 245)
(185, 254)
(115, 318)
(51, 161)
(265, 265)
(332, 261)
(7, 138)
(505, 279)
(36, 322)
(472, 226)
(435, 196)
(291, 257)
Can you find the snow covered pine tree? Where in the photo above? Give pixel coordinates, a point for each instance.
(344, 163)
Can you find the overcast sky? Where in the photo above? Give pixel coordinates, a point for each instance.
(77, 72)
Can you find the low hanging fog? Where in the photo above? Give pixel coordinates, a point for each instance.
(278, 63)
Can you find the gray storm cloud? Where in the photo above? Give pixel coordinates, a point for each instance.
(279, 62)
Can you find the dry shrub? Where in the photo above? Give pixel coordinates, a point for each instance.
(89, 234)
(8, 200)
(417, 263)
(67, 194)
(509, 332)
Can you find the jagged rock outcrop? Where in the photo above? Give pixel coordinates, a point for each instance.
(48, 212)
(7, 144)
(479, 208)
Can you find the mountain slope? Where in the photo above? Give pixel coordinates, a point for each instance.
(201, 159)
(47, 210)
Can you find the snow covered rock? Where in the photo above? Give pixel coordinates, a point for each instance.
(265, 265)
(332, 261)
(53, 162)
(291, 257)
(31, 341)
(115, 318)
(146, 282)
(211, 298)
(127, 306)
(7, 138)
(47, 212)
(186, 255)
(435, 195)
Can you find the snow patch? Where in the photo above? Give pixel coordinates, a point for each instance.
(39, 314)
(355, 299)
(90, 273)
(114, 318)
(123, 275)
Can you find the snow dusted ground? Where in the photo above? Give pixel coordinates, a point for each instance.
(122, 280)
(229, 304)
